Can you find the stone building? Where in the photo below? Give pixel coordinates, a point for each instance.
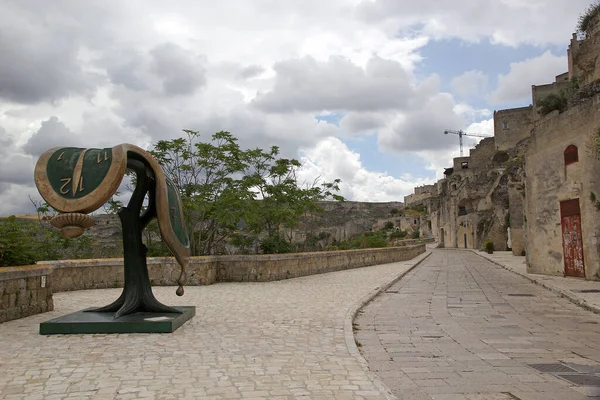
(562, 179)
(421, 193)
(470, 205)
(538, 176)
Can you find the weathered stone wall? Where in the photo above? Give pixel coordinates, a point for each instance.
(584, 62)
(540, 92)
(415, 199)
(264, 268)
(518, 126)
(28, 290)
(548, 182)
(481, 155)
(516, 207)
(457, 163)
(104, 273)
(25, 291)
(425, 189)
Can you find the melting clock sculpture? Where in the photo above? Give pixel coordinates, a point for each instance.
(77, 181)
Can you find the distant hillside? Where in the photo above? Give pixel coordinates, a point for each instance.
(342, 220)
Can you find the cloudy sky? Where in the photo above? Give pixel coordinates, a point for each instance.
(360, 90)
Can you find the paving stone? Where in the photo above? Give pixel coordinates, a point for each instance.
(457, 308)
(275, 340)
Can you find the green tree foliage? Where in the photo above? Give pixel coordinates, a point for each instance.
(388, 226)
(399, 234)
(15, 246)
(558, 101)
(225, 190)
(415, 234)
(113, 206)
(365, 240)
(24, 242)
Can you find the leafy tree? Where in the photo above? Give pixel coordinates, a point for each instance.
(388, 226)
(415, 234)
(113, 206)
(15, 244)
(279, 200)
(24, 242)
(207, 176)
(225, 189)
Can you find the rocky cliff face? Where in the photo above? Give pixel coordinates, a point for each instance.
(341, 220)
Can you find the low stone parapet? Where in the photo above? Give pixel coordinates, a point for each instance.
(273, 267)
(25, 291)
(28, 290)
(104, 273)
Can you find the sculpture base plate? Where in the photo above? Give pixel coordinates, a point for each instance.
(82, 322)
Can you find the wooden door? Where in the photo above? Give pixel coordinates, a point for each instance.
(572, 240)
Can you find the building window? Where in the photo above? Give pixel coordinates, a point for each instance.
(571, 155)
(415, 222)
(464, 164)
(504, 124)
(462, 210)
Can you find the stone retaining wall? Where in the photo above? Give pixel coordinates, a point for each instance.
(273, 267)
(25, 291)
(23, 294)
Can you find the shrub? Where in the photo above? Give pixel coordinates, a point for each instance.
(415, 234)
(488, 245)
(388, 226)
(275, 244)
(15, 246)
(399, 234)
(583, 24)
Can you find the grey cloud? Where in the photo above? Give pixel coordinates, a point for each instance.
(507, 22)
(356, 122)
(123, 68)
(423, 128)
(251, 71)
(338, 84)
(39, 59)
(14, 167)
(17, 168)
(181, 71)
(52, 133)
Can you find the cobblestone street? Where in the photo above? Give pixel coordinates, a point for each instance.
(459, 327)
(275, 340)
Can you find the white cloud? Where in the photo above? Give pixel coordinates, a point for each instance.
(470, 83)
(357, 184)
(336, 85)
(516, 85)
(507, 22)
(103, 72)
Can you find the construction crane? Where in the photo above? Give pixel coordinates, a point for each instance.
(460, 136)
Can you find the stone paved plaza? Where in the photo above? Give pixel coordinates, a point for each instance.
(459, 327)
(275, 340)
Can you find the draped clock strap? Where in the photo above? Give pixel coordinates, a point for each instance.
(76, 180)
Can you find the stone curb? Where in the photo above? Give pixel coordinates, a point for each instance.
(563, 293)
(349, 332)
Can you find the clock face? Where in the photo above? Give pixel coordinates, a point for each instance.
(75, 173)
(73, 179)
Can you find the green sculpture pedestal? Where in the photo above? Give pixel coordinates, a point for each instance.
(89, 321)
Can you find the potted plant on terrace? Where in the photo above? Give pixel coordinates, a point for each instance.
(488, 246)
